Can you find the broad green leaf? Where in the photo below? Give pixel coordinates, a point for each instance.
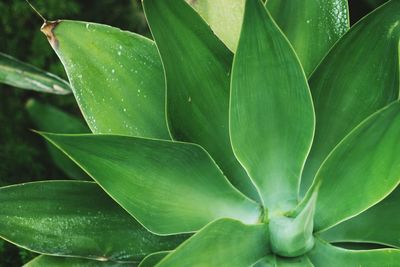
(224, 17)
(362, 170)
(327, 255)
(197, 67)
(22, 75)
(225, 242)
(152, 259)
(359, 76)
(379, 224)
(276, 261)
(50, 119)
(312, 26)
(116, 76)
(50, 261)
(74, 218)
(169, 187)
(271, 115)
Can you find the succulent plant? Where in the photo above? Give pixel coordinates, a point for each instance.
(244, 135)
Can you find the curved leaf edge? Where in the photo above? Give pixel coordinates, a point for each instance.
(46, 136)
(345, 34)
(141, 264)
(315, 185)
(37, 258)
(366, 241)
(309, 93)
(54, 254)
(136, 35)
(216, 221)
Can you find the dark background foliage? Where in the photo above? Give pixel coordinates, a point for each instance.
(23, 156)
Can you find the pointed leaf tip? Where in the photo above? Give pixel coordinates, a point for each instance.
(48, 30)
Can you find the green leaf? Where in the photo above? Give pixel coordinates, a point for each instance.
(50, 119)
(326, 255)
(74, 218)
(50, 261)
(152, 259)
(359, 76)
(225, 242)
(276, 261)
(22, 75)
(197, 67)
(312, 26)
(360, 171)
(224, 17)
(379, 224)
(169, 187)
(272, 119)
(116, 76)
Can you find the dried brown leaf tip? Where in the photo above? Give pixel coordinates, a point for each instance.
(48, 29)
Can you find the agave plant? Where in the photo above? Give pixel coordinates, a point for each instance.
(244, 135)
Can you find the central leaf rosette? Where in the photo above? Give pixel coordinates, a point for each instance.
(293, 236)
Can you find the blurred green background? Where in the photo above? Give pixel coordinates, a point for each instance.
(23, 155)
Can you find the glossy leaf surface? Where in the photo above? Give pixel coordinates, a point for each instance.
(275, 261)
(177, 183)
(50, 261)
(74, 218)
(327, 255)
(224, 17)
(362, 170)
(312, 26)
(116, 76)
(197, 67)
(152, 259)
(271, 116)
(225, 242)
(22, 75)
(379, 224)
(50, 119)
(359, 76)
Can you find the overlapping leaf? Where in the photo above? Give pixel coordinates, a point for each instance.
(379, 224)
(312, 26)
(22, 75)
(152, 259)
(327, 255)
(169, 187)
(116, 76)
(197, 68)
(359, 76)
(360, 171)
(225, 242)
(50, 119)
(271, 116)
(50, 261)
(224, 17)
(74, 218)
(276, 261)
